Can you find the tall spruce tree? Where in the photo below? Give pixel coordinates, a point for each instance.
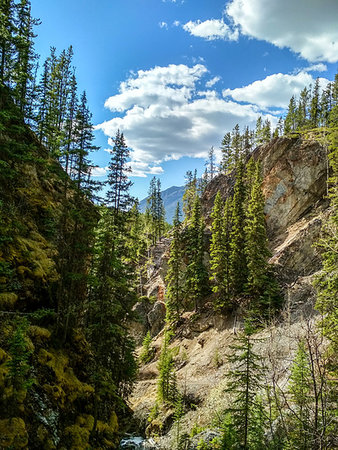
(196, 283)
(175, 274)
(190, 194)
(238, 262)
(227, 161)
(245, 381)
(220, 252)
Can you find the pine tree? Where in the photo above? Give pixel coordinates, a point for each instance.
(299, 390)
(166, 385)
(238, 263)
(236, 144)
(266, 131)
(7, 43)
(155, 210)
(290, 119)
(220, 252)
(211, 163)
(196, 284)
(315, 106)
(227, 161)
(248, 139)
(259, 131)
(175, 274)
(190, 194)
(302, 109)
(118, 195)
(23, 70)
(245, 378)
(257, 252)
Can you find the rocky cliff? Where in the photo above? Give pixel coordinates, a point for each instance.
(295, 185)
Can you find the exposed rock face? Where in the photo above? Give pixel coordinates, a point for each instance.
(157, 268)
(156, 318)
(294, 185)
(294, 172)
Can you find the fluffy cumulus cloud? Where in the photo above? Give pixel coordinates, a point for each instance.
(211, 29)
(169, 112)
(275, 90)
(307, 27)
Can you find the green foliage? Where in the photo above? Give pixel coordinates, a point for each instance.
(196, 282)
(220, 252)
(175, 273)
(238, 262)
(19, 362)
(146, 352)
(260, 285)
(155, 210)
(166, 385)
(245, 378)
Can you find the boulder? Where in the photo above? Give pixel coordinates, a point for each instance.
(156, 318)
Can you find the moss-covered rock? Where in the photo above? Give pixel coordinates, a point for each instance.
(8, 300)
(66, 385)
(13, 433)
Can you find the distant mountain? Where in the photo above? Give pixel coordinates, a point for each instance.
(170, 198)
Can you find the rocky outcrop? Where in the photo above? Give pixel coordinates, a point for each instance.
(156, 318)
(294, 172)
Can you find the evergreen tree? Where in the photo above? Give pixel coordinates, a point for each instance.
(7, 43)
(220, 251)
(23, 70)
(299, 390)
(302, 109)
(266, 131)
(238, 263)
(257, 252)
(175, 274)
(227, 161)
(190, 194)
(155, 210)
(245, 381)
(259, 131)
(196, 284)
(236, 144)
(211, 163)
(248, 139)
(166, 385)
(290, 119)
(315, 106)
(118, 196)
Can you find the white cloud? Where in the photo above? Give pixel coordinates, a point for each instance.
(212, 82)
(274, 91)
(168, 112)
(307, 27)
(177, 23)
(163, 25)
(142, 169)
(99, 171)
(211, 29)
(316, 68)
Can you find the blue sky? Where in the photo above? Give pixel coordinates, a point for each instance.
(175, 76)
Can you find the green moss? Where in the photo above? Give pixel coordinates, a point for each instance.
(66, 386)
(79, 433)
(13, 433)
(7, 300)
(39, 334)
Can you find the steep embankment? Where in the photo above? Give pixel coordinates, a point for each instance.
(46, 390)
(295, 174)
